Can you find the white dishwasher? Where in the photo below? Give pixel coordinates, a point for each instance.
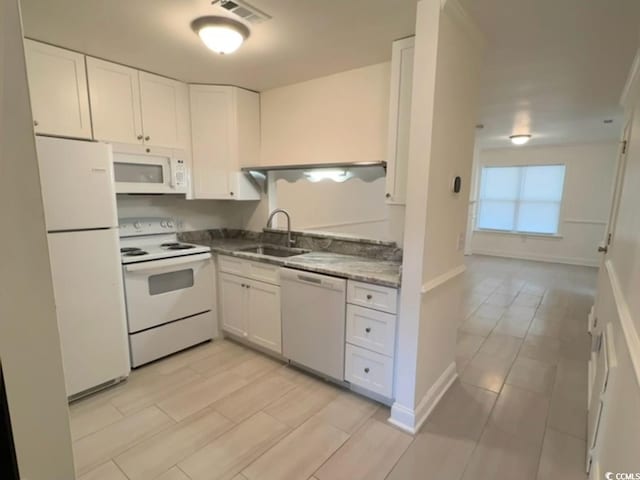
(313, 321)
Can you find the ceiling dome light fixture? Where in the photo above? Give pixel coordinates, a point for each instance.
(519, 139)
(221, 34)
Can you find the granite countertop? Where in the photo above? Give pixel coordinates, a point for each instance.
(365, 269)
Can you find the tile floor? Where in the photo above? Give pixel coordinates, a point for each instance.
(221, 411)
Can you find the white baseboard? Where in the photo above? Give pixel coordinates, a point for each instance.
(411, 420)
(583, 262)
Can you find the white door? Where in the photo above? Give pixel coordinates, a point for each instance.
(233, 296)
(58, 89)
(611, 222)
(599, 364)
(212, 135)
(76, 179)
(265, 323)
(87, 283)
(162, 291)
(160, 98)
(114, 93)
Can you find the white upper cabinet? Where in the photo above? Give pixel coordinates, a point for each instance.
(58, 88)
(225, 129)
(399, 120)
(133, 107)
(165, 111)
(115, 102)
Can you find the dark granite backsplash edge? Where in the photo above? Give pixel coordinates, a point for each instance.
(318, 242)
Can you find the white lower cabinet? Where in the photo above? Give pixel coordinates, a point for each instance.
(265, 326)
(371, 337)
(369, 370)
(250, 309)
(233, 295)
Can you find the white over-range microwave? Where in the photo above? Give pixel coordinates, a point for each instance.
(140, 169)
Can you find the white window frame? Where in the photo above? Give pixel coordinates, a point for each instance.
(557, 234)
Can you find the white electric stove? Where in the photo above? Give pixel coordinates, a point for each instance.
(168, 289)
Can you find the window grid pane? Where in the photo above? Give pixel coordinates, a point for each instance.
(523, 199)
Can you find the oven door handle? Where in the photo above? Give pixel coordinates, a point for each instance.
(167, 262)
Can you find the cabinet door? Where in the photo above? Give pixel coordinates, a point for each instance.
(114, 92)
(211, 130)
(233, 294)
(58, 88)
(265, 324)
(399, 120)
(161, 104)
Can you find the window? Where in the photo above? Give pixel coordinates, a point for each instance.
(521, 199)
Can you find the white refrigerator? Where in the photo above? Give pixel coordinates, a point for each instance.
(80, 212)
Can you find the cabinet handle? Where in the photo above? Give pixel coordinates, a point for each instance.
(388, 195)
(231, 193)
(242, 285)
(366, 370)
(35, 123)
(368, 329)
(147, 138)
(139, 137)
(369, 296)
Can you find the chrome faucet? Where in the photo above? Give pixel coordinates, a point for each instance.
(290, 241)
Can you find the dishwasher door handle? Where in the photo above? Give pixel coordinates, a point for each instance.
(308, 279)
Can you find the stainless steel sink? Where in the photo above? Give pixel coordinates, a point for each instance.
(274, 251)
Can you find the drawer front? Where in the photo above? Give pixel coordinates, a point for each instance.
(371, 329)
(372, 296)
(262, 272)
(369, 370)
(232, 265)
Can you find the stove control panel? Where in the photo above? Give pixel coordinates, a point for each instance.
(132, 227)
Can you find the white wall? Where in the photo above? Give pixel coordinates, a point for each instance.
(618, 304)
(29, 341)
(586, 200)
(448, 56)
(194, 214)
(338, 118)
(355, 207)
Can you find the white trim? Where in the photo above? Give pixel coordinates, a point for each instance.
(552, 236)
(583, 262)
(630, 87)
(440, 279)
(411, 420)
(624, 314)
(587, 221)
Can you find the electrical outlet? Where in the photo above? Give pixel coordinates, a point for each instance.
(461, 241)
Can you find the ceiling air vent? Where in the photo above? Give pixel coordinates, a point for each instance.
(242, 9)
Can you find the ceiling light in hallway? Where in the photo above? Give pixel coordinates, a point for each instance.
(519, 139)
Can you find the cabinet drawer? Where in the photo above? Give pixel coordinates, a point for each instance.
(369, 370)
(262, 272)
(371, 329)
(372, 296)
(231, 265)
